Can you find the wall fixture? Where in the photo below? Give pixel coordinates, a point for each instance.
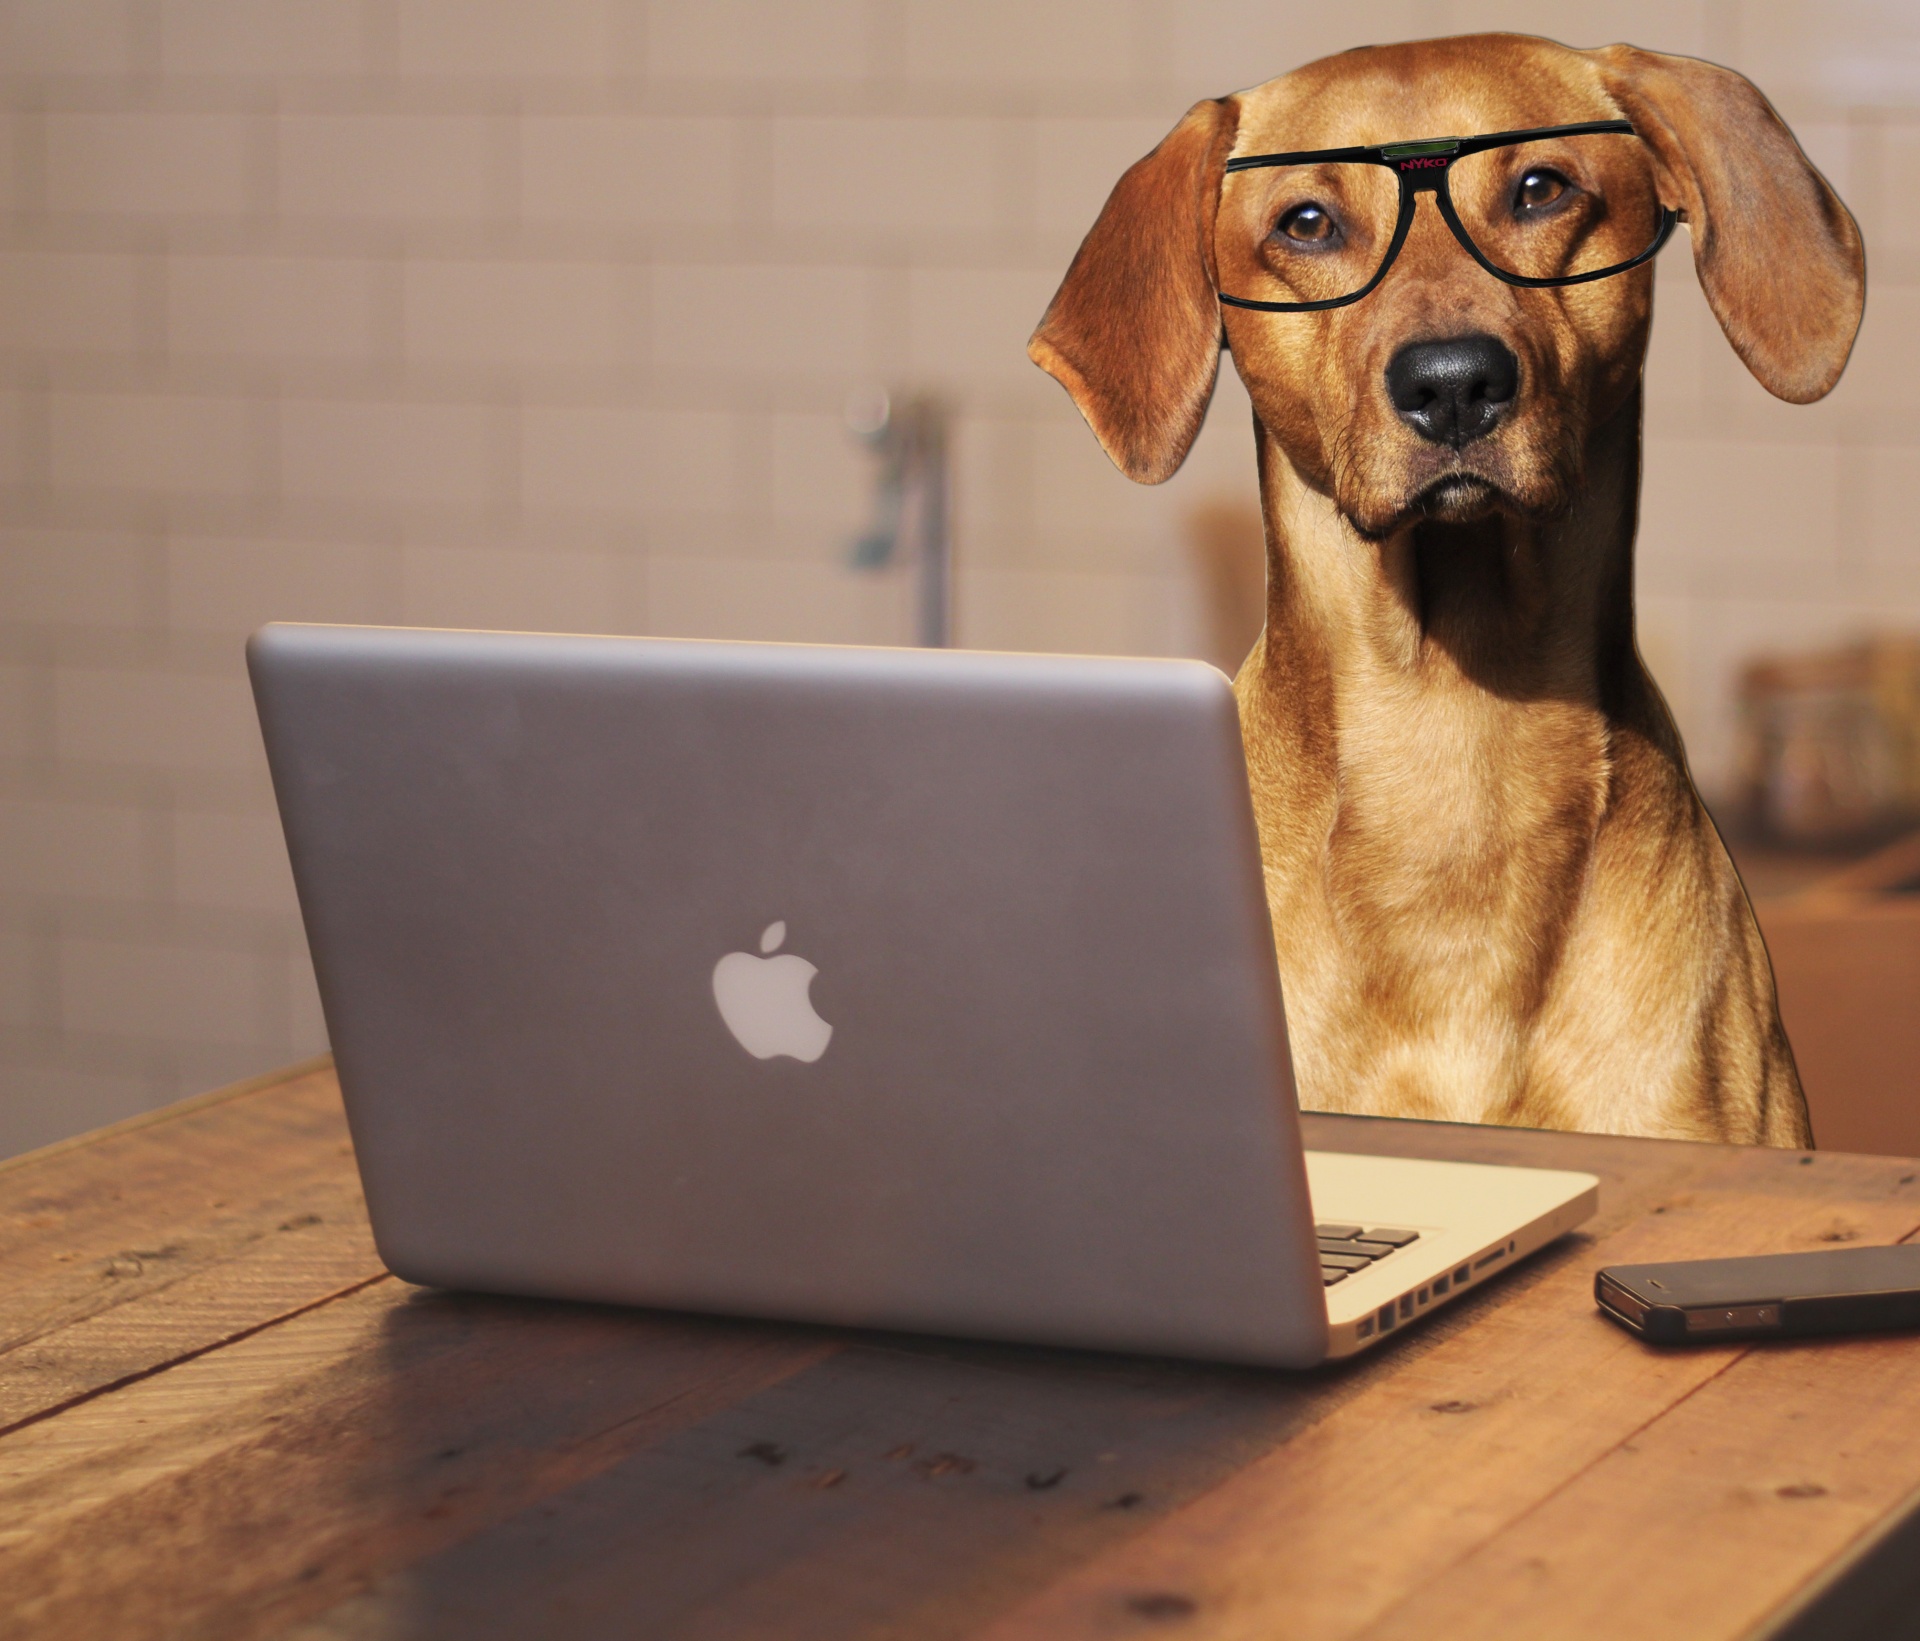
(911, 514)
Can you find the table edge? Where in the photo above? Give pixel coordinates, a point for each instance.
(172, 1109)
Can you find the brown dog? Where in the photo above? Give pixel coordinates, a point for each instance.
(1495, 892)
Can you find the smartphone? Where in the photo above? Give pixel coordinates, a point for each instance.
(1837, 1290)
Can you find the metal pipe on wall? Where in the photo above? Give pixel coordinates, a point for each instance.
(912, 500)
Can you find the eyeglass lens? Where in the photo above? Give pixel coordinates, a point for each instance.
(1556, 208)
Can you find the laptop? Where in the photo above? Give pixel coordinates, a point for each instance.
(905, 989)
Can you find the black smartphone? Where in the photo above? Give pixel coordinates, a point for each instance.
(1837, 1290)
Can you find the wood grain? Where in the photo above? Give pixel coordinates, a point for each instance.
(263, 1481)
(1709, 1518)
(884, 1550)
(250, 1430)
(162, 1239)
(1363, 1513)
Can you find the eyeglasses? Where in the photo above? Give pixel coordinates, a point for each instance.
(1558, 205)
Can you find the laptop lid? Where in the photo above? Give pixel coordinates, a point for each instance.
(897, 988)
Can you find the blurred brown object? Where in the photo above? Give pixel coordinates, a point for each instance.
(1846, 959)
(1830, 743)
(1229, 546)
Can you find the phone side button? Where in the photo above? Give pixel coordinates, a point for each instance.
(1738, 1318)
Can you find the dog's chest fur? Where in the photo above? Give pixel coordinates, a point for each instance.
(1476, 820)
(1423, 937)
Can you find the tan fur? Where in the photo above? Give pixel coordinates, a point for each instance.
(1495, 892)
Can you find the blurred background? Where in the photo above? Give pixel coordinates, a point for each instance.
(548, 315)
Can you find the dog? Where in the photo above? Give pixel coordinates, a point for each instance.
(1496, 894)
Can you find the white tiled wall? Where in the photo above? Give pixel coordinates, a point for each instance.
(542, 313)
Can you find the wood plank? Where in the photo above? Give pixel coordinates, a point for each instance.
(313, 1258)
(387, 1460)
(191, 1448)
(86, 1227)
(223, 1413)
(265, 1480)
(1866, 1594)
(81, 1472)
(898, 1488)
(765, 1555)
(1709, 1519)
(91, 1139)
(172, 1234)
(1360, 1514)
(185, 1162)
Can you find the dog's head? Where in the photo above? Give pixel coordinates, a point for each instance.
(1445, 392)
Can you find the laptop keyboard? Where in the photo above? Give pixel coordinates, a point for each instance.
(1345, 1249)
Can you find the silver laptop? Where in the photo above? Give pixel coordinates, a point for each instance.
(884, 988)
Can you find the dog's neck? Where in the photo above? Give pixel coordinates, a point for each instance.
(1524, 611)
(1453, 693)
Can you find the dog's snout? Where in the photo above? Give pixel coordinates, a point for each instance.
(1453, 392)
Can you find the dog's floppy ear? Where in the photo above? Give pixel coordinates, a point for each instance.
(1778, 255)
(1133, 333)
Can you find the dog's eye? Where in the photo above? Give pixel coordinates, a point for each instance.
(1308, 224)
(1539, 187)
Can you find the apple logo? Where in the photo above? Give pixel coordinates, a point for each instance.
(765, 1004)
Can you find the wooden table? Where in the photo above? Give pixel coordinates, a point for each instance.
(219, 1417)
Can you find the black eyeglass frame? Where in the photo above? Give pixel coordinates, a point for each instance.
(1423, 167)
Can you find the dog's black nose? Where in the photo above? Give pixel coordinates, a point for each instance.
(1453, 392)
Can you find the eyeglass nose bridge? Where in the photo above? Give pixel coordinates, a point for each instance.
(1422, 166)
(1426, 177)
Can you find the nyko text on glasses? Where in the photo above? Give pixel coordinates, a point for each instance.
(1558, 205)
